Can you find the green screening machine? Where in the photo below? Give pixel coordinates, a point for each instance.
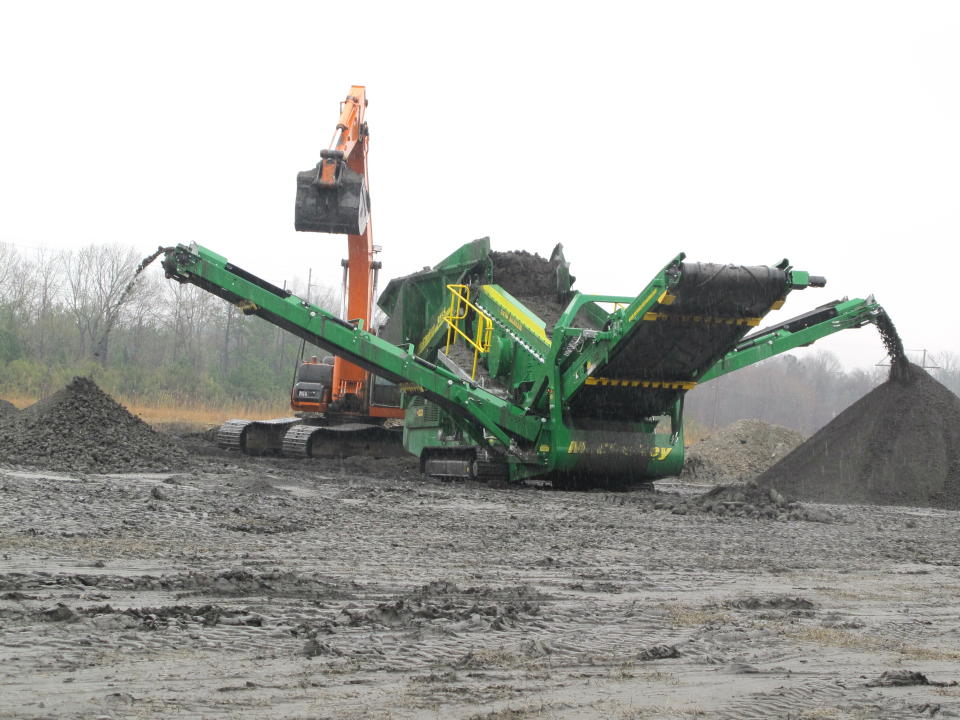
(508, 374)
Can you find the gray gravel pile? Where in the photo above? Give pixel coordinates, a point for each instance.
(82, 429)
(897, 445)
(738, 452)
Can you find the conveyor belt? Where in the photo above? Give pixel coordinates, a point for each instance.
(703, 316)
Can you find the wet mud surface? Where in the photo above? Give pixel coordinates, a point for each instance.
(144, 574)
(256, 587)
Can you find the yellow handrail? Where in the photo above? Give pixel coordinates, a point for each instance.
(458, 310)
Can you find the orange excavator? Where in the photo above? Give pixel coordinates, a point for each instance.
(340, 409)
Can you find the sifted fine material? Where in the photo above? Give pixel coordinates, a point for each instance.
(897, 445)
(738, 452)
(82, 429)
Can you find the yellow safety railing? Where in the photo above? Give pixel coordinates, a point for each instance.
(458, 310)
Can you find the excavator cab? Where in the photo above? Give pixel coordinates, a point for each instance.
(339, 206)
(311, 389)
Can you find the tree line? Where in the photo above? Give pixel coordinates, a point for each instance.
(87, 312)
(803, 393)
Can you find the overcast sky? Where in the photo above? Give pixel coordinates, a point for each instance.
(824, 132)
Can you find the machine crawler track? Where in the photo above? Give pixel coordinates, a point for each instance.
(342, 441)
(465, 464)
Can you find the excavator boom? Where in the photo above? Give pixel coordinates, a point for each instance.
(334, 198)
(340, 407)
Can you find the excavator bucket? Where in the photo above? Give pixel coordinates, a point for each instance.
(342, 207)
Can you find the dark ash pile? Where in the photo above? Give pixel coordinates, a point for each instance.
(82, 429)
(897, 445)
(7, 408)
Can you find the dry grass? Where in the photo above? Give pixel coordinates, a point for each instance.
(689, 616)
(200, 414)
(688, 710)
(193, 413)
(492, 657)
(628, 671)
(835, 637)
(660, 677)
(840, 594)
(509, 713)
(18, 399)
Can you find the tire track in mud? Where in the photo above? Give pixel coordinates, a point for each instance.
(828, 697)
(398, 595)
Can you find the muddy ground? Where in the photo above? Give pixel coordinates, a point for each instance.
(263, 588)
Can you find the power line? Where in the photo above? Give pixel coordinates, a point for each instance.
(923, 361)
(32, 247)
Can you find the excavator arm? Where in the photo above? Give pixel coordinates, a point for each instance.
(334, 197)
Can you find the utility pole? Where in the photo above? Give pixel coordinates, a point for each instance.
(923, 360)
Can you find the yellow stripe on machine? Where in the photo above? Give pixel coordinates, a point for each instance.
(429, 336)
(625, 382)
(643, 304)
(516, 313)
(702, 319)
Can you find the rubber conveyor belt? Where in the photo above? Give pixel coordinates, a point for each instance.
(708, 309)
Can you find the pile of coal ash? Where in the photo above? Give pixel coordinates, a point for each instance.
(532, 280)
(82, 429)
(897, 445)
(738, 452)
(7, 408)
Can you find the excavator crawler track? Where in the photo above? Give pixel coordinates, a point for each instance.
(255, 437)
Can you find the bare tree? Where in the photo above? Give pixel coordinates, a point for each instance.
(9, 267)
(949, 370)
(99, 280)
(190, 312)
(47, 284)
(803, 393)
(140, 314)
(15, 282)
